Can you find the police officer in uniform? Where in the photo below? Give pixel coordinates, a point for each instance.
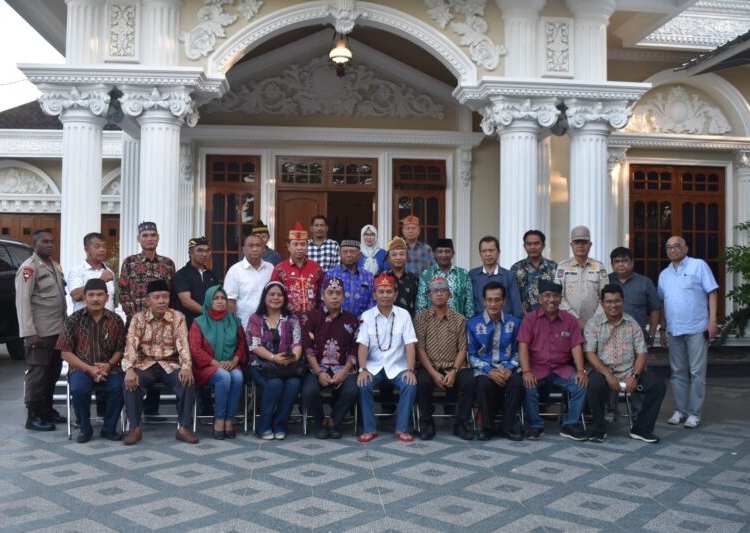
(40, 301)
(581, 277)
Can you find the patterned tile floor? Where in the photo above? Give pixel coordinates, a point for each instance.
(694, 480)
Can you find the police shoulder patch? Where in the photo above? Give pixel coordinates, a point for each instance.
(28, 272)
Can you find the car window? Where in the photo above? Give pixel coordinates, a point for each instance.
(19, 253)
(6, 261)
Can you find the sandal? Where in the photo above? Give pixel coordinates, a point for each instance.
(404, 437)
(367, 437)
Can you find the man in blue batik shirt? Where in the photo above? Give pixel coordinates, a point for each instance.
(358, 282)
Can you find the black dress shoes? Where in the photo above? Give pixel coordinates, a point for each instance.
(428, 431)
(83, 437)
(484, 434)
(38, 424)
(460, 431)
(110, 435)
(55, 418)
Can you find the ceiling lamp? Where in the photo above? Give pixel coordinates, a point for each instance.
(340, 54)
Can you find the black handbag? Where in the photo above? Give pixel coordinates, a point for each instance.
(270, 370)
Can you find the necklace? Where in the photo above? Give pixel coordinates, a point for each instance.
(377, 333)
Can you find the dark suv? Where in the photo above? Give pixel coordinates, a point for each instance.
(12, 254)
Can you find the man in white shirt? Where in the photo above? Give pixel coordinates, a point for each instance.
(95, 246)
(245, 280)
(387, 352)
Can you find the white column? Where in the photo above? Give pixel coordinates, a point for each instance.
(160, 28)
(81, 207)
(129, 185)
(521, 19)
(615, 164)
(519, 174)
(591, 203)
(517, 121)
(544, 187)
(590, 37)
(462, 223)
(742, 169)
(161, 114)
(158, 198)
(83, 38)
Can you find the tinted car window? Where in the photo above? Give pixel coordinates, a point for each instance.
(19, 253)
(6, 261)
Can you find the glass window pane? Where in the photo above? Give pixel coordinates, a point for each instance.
(218, 207)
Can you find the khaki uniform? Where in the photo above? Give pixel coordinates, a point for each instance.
(581, 286)
(41, 306)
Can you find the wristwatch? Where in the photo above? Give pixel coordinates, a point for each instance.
(363, 369)
(635, 375)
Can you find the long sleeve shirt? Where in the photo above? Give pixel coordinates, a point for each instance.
(492, 344)
(162, 341)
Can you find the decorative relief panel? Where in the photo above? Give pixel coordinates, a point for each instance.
(676, 110)
(16, 180)
(706, 32)
(122, 31)
(558, 53)
(201, 40)
(314, 89)
(473, 29)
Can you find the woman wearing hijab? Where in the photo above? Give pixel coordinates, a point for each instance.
(373, 256)
(219, 351)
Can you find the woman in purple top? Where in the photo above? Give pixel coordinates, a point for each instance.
(274, 338)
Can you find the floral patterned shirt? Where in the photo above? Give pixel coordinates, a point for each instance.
(136, 273)
(616, 345)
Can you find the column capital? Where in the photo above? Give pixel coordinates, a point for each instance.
(580, 113)
(56, 99)
(742, 161)
(504, 111)
(174, 100)
(616, 154)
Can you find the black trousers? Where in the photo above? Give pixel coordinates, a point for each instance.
(344, 398)
(462, 389)
(43, 366)
(653, 390)
(489, 395)
(153, 374)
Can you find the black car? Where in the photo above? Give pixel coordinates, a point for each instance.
(12, 254)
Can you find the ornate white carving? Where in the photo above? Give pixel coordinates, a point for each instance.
(346, 14)
(581, 113)
(16, 180)
(557, 50)
(122, 30)
(675, 110)
(696, 30)
(314, 89)
(56, 100)
(212, 20)
(464, 165)
(472, 30)
(504, 111)
(742, 160)
(178, 102)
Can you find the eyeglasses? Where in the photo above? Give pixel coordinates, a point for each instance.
(673, 246)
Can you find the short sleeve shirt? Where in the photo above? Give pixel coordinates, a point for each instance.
(550, 342)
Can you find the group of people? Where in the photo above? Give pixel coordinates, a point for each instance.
(358, 320)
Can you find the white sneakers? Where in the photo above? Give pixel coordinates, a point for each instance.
(678, 418)
(692, 422)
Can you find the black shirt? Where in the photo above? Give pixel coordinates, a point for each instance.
(190, 279)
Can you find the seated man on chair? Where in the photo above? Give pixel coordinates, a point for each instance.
(550, 350)
(617, 351)
(157, 351)
(493, 355)
(92, 342)
(386, 352)
(329, 339)
(442, 361)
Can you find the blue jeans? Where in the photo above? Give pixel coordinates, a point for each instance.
(575, 404)
(277, 401)
(227, 390)
(688, 358)
(407, 393)
(81, 386)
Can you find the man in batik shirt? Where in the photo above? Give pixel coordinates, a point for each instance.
(420, 254)
(357, 283)
(533, 270)
(462, 294)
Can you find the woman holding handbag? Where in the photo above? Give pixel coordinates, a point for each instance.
(274, 337)
(219, 352)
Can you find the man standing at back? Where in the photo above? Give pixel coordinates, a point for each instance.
(95, 246)
(245, 280)
(461, 295)
(269, 254)
(639, 293)
(688, 291)
(489, 250)
(193, 280)
(419, 254)
(581, 277)
(533, 270)
(358, 283)
(321, 249)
